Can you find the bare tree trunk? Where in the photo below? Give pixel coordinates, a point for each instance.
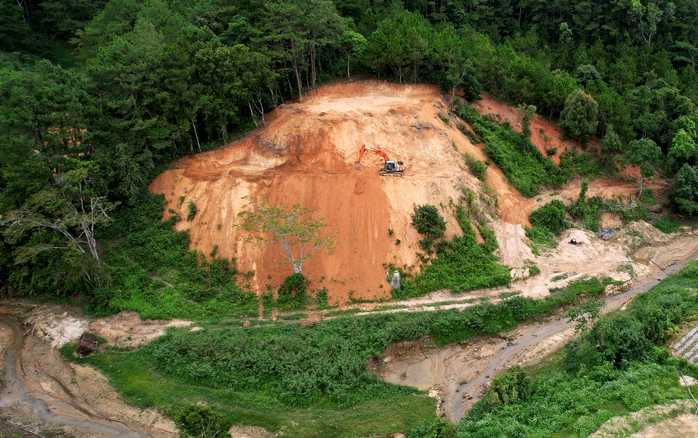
(290, 88)
(294, 61)
(249, 105)
(193, 125)
(313, 72)
(260, 108)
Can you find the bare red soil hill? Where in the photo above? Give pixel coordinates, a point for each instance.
(306, 155)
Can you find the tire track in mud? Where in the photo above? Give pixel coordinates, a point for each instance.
(457, 403)
(14, 393)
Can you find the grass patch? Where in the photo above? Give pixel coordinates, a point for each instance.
(505, 295)
(133, 375)
(667, 225)
(561, 277)
(540, 237)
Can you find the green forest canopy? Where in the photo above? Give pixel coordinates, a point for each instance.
(114, 90)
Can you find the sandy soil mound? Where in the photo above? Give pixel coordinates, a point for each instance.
(249, 432)
(659, 421)
(306, 155)
(59, 325)
(58, 328)
(128, 330)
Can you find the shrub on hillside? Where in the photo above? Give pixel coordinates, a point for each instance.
(197, 421)
(551, 216)
(477, 167)
(428, 221)
(292, 293)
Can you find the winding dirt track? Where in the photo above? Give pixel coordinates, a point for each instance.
(456, 406)
(15, 394)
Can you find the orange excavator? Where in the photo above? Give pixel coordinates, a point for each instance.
(390, 167)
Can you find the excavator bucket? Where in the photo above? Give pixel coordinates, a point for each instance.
(357, 166)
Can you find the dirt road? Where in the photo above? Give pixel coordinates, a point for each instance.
(458, 374)
(466, 393)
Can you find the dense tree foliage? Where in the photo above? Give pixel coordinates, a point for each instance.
(551, 216)
(126, 86)
(580, 116)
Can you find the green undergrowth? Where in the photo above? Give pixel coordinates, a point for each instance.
(460, 264)
(272, 375)
(151, 270)
(667, 225)
(619, 365)
(132, 374)
(541, 238)
(525, 167)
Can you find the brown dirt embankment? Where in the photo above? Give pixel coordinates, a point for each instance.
(306, 155)
(42, 393)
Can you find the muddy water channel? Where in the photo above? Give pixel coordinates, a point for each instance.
(41, 393)
(457, 375)
(443, 371)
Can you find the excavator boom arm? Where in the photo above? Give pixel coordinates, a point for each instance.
(363, 151)
(390, 167)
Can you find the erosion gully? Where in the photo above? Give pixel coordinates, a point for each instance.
(14, 393)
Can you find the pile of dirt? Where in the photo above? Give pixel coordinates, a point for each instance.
(306, 155)
(57, 328)
(127, 329)
(659, 421)
(249, 432)
(59, 325)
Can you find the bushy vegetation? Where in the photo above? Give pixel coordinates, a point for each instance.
(667, 224)
(288, 367)
(460, 264)
(524, 166)
(152, 271)
(550, 217)
(201, 422)
(428, 222)
(477, 167)
(292, 294)
(620, 365)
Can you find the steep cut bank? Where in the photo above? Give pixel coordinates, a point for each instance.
(306, 155)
